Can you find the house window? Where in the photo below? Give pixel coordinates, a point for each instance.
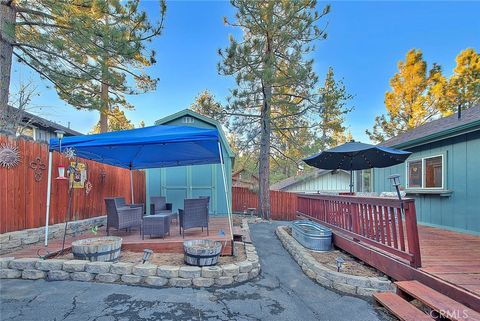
(188, 120)
(364, 181)
(426, 173)
(415, 174)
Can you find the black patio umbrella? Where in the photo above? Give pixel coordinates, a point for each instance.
(355, 156)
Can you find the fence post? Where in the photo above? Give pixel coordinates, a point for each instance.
(412, 234)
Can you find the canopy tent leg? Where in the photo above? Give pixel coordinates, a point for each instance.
(49, 183)
(229, 211)
(131, 187)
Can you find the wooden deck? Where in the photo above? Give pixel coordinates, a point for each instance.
(375, 230)
(452, 257)
(133, 241)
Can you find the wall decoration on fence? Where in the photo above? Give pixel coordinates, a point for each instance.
(88, 187)
(38, 167)
(9, 156)
(78, 174)
(69, 153)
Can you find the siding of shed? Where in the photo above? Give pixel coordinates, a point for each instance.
(178, 183)
(458, 211)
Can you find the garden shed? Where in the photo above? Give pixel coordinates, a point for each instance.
(179, 183)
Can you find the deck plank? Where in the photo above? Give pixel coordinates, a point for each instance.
(400, 308)
(437, 301)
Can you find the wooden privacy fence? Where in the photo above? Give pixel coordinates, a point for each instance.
(283, 204)
(375, 221)
(23, 199)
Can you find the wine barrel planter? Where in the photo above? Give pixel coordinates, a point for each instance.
(202, 252)
(103, 249)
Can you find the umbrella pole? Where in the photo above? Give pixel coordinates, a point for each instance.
(351, 182)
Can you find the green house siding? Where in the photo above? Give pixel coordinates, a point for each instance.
(457, 207)
(178, 183)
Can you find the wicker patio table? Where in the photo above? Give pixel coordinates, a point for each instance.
(156, 225)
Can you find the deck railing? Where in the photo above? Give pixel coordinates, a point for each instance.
(375, 221)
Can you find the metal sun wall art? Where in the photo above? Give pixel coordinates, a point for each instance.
(9, 156)
(69, 153)
(38, 166)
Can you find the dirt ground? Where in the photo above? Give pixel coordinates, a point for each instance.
(352, 265)
(169, 258)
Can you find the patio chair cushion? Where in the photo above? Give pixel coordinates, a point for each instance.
(159, 205)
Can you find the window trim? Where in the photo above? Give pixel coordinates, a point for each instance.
(423, 188)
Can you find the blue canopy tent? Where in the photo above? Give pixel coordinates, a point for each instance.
(149, 147)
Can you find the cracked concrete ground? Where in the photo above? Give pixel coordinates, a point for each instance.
(281, 292)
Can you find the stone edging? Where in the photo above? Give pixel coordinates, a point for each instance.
(351, 284)
(13, 241)
(128, 273)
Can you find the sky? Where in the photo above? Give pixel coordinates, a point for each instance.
(365, 42)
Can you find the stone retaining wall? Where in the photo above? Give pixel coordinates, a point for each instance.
(351, 284)
(13, 241)
(129, 273)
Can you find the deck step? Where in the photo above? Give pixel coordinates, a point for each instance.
(400, 308)
(437, 301)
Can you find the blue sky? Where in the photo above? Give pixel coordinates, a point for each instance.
(365, 42)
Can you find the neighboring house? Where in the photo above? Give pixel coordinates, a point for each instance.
(40, 129)
(243, 178)
(317, 181)
(443, 173)
(179, 183)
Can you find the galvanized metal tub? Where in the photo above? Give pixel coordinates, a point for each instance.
(312, 235)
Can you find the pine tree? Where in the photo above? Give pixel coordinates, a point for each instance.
(416, 97)
(116, 121)
(91, 51)
(205, 104)
(277, 37)
(334, 107)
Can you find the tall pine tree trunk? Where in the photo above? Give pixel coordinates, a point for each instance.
(7, 19)
(105, 108)
(264, 158)
(265, 132)
(104, 111)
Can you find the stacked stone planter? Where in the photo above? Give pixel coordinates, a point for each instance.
(351, 284)
(129, 273)
(12, 241)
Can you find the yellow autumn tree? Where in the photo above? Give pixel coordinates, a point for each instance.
(416, 96)
(464, 84)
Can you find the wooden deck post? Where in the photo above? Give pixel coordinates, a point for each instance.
(412, 234)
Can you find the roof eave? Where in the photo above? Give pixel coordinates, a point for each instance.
(209, 120)
(448, 133)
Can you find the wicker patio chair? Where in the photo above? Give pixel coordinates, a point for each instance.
(159, 205)
(120, 217)
(194, 214)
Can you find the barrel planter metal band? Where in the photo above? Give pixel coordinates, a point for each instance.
(104, 249)
(202, 252)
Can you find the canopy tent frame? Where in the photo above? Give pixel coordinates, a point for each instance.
(206, 136)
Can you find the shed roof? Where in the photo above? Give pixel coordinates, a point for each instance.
(213, 122)
(437, 129)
